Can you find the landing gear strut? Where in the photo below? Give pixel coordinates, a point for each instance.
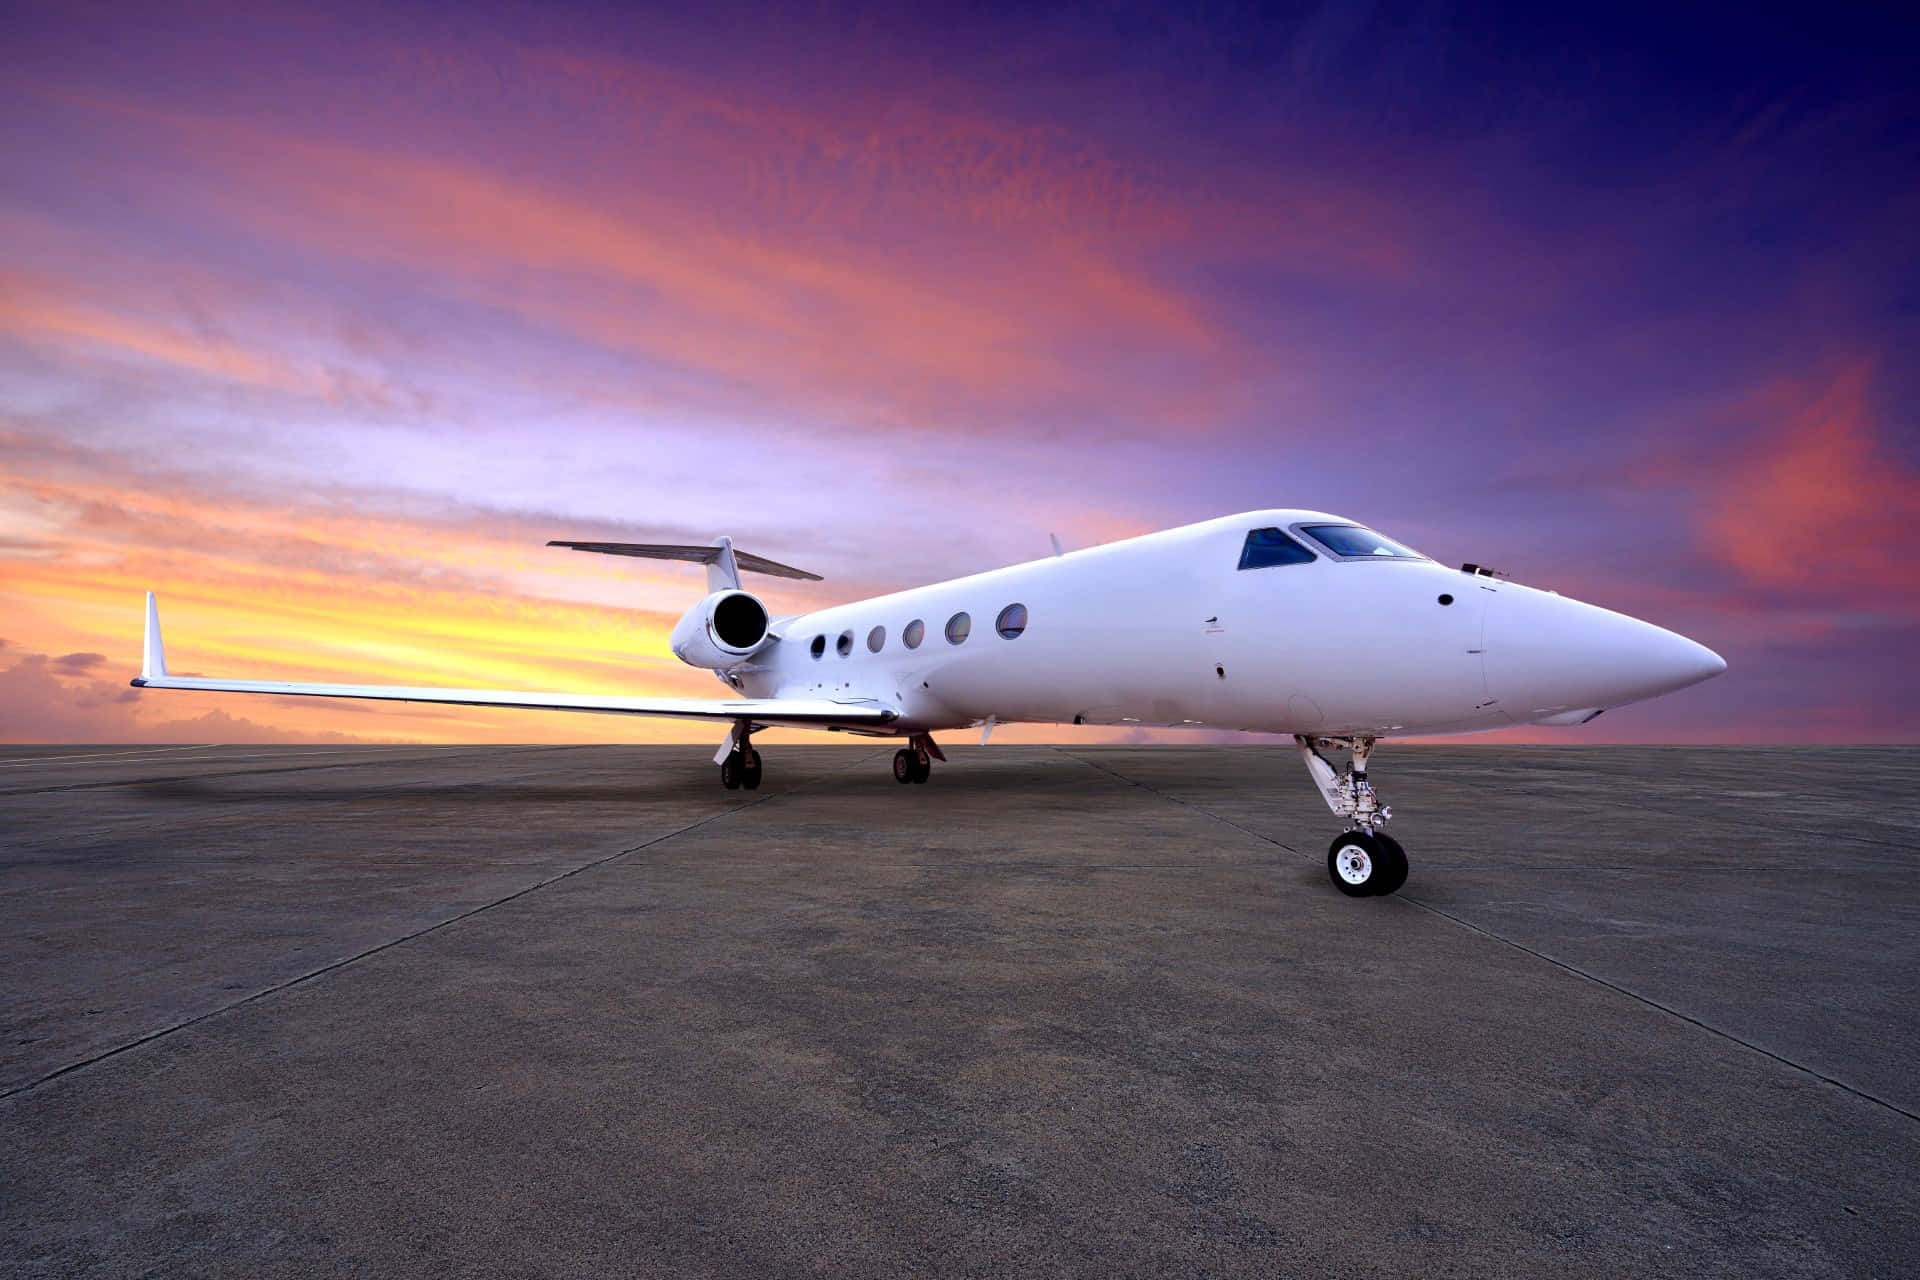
(1363, 861)
(914, 762)
(739, 762)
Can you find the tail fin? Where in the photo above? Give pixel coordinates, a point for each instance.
(723, 571)
(724, 564)
(153, 657)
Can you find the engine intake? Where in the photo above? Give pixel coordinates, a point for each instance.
(725, 628)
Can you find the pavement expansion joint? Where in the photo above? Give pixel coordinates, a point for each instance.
(1173, 799)
(96, 756)
(325, 969)
(1652, 1003)
(1563, 965)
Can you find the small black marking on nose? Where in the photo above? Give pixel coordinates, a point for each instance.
(1221, 672)
(1446, 599)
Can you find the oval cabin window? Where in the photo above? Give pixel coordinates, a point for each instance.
(913, 634)
(819, 645)
(844, 645)
(959, 627)
(876, 639)
(1011, 622)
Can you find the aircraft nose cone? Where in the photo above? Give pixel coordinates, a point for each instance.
(1550, 657)
(1695, 663)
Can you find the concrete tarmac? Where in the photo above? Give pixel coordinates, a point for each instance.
(1067, 1011)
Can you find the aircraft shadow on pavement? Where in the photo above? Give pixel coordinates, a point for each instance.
(615, 791)
(697, 782)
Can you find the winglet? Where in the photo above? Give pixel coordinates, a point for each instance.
(153, 658)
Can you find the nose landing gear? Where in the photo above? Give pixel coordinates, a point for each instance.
(1363, 861)
(1364, 864)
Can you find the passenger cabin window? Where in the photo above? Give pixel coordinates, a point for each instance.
(1266, 548)
(1011, 622)
(844, 645)
(876, 639)
(819, 645)
(1352, 540)
(913, 634)
(959, 627)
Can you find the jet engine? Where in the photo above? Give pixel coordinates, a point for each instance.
(725, 628)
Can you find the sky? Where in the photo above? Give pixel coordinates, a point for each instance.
(319, 321)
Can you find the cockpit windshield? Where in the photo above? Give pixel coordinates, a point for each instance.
(1352, 540)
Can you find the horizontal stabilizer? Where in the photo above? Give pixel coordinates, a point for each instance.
(692, 555)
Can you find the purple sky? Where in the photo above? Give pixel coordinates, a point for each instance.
(320, 323)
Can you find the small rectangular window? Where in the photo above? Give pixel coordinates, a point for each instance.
(1268, 547)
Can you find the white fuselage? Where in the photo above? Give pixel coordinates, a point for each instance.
(1167, 630)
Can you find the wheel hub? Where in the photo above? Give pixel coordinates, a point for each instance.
(1355, 865)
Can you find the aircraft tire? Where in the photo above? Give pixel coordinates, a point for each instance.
(730, 771)
(904, 766)
(750, 771)
(1356, 864)
(922, 767)
(1395, 873)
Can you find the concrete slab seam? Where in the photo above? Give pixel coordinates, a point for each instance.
(1573, 969)
(323, 970)
(1649, 1001)
(92, 757)
(1173, 799)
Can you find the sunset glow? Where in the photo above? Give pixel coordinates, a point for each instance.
(320, 323)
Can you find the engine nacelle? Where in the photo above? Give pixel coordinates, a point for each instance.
(725, 628)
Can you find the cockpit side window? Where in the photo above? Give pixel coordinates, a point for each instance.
(1268, 547)
(1352, 540)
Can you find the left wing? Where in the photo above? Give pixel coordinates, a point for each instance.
(819, 713)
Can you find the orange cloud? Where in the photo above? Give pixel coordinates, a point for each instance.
(982, 322)
(1813, 501)
(43, 315)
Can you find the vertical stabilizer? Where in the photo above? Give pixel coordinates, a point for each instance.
(723, 574)
(153, 659)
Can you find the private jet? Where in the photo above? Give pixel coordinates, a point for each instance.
(1282, 622)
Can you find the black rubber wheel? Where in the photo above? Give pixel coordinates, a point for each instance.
(750, 771)
(1356, 864)
(922, 766)
(730, 771)
(1395, 873)
(903, 766)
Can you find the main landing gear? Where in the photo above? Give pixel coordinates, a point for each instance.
(739, 762)
(914, 762)
(1363, 861)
